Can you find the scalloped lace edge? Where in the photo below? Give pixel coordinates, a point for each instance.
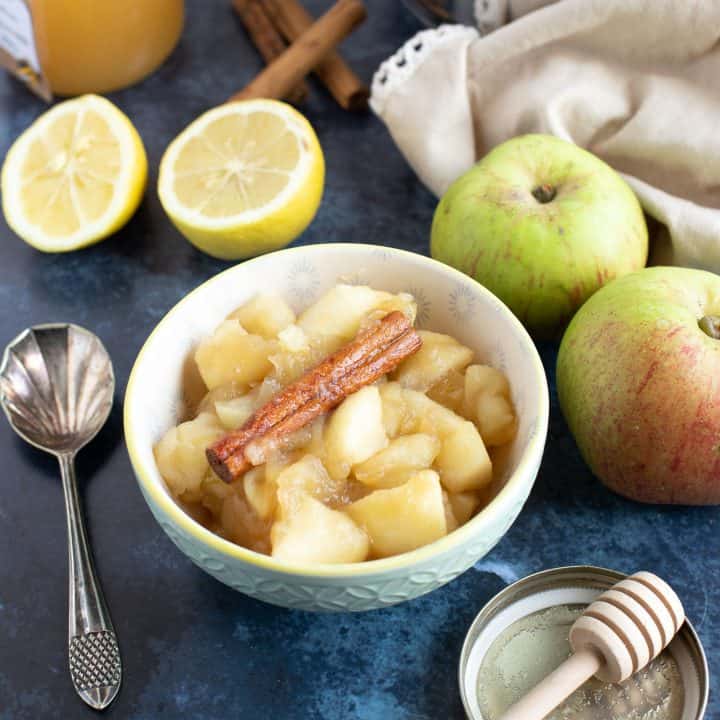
(400, 66)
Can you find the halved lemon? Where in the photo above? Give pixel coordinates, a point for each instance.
(75, 176)
(243, 179)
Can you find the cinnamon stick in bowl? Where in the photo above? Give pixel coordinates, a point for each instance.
(372, 353)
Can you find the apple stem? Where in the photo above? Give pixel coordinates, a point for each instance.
(710, 325)
(544, 193)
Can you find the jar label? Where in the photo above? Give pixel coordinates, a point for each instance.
(18, 52)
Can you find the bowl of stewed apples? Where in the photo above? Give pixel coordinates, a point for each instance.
(337, 427)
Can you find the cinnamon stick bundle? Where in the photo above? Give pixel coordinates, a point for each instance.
(291, 19)
(307, 50)
(267, 40)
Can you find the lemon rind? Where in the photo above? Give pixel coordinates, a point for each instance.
(295, 122)
(126, 193)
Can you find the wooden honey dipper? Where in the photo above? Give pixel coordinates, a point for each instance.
(617, 635)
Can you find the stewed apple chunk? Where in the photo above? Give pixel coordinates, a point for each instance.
(214, 492)
(314, 533)
(293, 339)
(487, 395)
(449, 391)
(341, 311)
(425, 415)
(278, 463)
(463, 462)
(403, 457)
(298, 353)
(241, 524)
(228, 391)
(354, 432)
(260, 492)
(231, 354)
(265, 315)
(316, 444)
(403, 302)
(180, 454)
(403, 518)
(408, 411)
(233, 413)
(307, 476)
(450, 519)
(394, 412)
(439, 355)
(464, 504)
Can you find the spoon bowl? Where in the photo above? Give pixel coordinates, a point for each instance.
(56, 388)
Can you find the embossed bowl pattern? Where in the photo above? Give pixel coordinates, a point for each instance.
(448, 301)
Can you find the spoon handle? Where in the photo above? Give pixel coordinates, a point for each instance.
(95, 666)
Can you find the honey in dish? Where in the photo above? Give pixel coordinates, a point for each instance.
(529, 649)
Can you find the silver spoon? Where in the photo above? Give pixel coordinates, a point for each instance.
(56, 388)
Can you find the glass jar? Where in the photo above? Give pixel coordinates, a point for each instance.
(103, 45)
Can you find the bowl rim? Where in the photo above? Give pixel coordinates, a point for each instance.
(531, 456)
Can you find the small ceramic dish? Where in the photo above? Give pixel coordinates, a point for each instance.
(449, 302)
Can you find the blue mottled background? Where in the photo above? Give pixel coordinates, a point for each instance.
(191, 647)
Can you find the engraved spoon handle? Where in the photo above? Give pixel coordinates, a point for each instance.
(95, 666)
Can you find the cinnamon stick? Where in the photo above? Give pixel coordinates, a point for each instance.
(266, 39)
(291, 19)
(256, 452)
(281, 75)
(365, 347)
(372, 354)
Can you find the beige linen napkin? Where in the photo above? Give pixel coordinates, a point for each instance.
(637, 82)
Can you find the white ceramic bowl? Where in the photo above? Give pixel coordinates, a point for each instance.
(448, 301)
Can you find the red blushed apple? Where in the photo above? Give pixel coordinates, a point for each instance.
(638, 378)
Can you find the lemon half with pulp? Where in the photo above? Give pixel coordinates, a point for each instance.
(243, 179)
(75, 176)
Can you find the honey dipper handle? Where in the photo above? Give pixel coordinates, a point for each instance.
(558, 685)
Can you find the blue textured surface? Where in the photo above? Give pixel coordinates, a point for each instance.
(192, 647)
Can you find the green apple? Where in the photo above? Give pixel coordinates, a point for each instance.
(543, 224)
(638, 378)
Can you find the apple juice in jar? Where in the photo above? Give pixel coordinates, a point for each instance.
(71, 47)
